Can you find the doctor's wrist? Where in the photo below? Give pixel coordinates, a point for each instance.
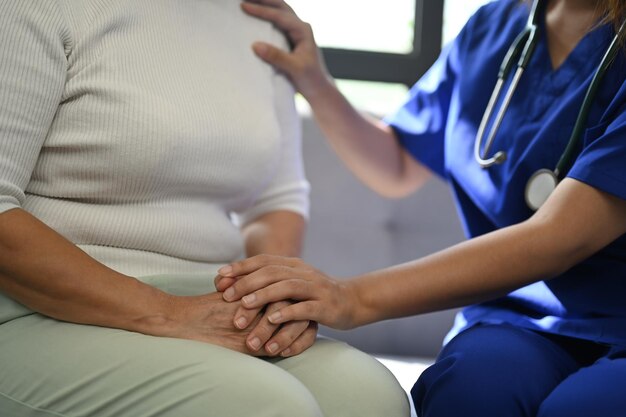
(318, 89)
(356, 310)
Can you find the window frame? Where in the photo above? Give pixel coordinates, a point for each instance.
(392, 67)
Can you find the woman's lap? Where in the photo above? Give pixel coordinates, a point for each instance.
(346, 381)
(502, 370)
(74, 370)
(52, 368)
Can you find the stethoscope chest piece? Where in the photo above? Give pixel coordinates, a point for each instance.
(539, 187)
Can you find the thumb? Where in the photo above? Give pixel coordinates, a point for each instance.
(273, 56)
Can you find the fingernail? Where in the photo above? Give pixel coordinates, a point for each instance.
(249, 299)
(255, 343)
(272, 347)
(225, 270)
(241, 322)
(286, 352)
(260, 48)
(229, 293)
(274, 317)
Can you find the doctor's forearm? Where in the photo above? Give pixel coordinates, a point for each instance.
(474, 271)
(576, 222)
(368, 147)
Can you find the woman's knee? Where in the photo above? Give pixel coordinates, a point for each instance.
(126, 374)
(272, 394)
(252, 392)
(347, 382)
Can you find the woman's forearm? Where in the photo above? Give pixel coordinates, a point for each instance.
(48, 274)
(278, 232)
(368, 147)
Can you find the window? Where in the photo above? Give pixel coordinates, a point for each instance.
(392, 41)
(387, 28)
(455, 14)
(377, 50)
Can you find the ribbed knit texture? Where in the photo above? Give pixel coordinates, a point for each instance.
(136, 129)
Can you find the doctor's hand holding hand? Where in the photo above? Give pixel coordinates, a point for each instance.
(265, 279)
(304, 65)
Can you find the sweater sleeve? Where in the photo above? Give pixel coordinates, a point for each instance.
(289, 189)
(33, 39)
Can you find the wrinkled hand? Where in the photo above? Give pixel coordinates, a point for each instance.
(208, 318)
(304, 65)
(261, 337)
(287, 339)
(265, 279)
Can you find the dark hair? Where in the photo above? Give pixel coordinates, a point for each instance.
(614, 12)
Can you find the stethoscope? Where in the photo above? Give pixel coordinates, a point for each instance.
(544, 181)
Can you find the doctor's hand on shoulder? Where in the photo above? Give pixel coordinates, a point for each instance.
(304, 64)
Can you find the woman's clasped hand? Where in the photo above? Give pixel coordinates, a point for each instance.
(209, 319)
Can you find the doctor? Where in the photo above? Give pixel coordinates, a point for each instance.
(545, 330)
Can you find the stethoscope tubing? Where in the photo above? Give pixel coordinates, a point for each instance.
(523, 47)
(581, 120)
(542, 182)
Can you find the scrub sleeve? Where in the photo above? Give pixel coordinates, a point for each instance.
(602, 162)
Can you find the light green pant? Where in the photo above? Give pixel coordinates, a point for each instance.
(52, 368)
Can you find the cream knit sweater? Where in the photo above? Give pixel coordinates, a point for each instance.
(137, 128)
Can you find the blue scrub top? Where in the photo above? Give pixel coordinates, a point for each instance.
(438, 125)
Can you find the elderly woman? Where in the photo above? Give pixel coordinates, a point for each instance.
(131, 135)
